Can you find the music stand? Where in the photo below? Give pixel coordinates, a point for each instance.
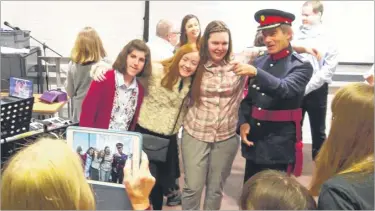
(51, 60)
(16, 117)
(10, 148)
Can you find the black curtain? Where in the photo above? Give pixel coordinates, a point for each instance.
(146, 21)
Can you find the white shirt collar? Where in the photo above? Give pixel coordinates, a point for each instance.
(121, 82)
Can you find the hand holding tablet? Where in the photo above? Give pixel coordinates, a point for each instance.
(139, 184)
(104, 154)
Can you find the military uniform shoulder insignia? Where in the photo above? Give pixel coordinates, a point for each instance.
(262, 53)
(299, 57)
(261, 56)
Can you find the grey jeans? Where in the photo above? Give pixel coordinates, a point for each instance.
(104, 175)
(206, 164)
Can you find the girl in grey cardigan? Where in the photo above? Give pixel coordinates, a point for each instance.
(87, 52)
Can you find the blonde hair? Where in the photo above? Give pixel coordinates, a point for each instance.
(88, 47)
(349, 147)
(46, 175)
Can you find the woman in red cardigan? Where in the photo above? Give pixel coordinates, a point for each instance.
(114, 102)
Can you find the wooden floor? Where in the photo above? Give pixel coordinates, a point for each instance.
(233, 186)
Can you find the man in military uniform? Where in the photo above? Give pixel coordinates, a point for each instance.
(270, 115)
(118, 164)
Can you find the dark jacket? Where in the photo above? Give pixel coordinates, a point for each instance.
(351, 191)
(279, 85)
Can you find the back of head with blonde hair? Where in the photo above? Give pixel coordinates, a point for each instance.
(88, 47)
(349, 147)
(46, 175)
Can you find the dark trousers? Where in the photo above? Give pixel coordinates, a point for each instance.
(165, 173)
(252, 168)
(156, 197)
(117, 177)
(315, 104)
(94, 174)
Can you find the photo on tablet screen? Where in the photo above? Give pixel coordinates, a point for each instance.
(104, 153)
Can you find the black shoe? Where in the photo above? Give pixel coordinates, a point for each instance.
(174, 200)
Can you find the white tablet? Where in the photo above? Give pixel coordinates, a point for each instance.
(104, 152)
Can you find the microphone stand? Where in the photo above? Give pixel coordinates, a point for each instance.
(44, 51)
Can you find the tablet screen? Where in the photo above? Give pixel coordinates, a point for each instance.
(110, 197)
(104, 153)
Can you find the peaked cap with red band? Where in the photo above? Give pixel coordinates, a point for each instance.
(271, 18)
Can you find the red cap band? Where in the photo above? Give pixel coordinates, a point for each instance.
(268, 20)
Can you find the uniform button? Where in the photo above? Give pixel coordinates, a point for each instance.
(271, 65)
(254, 86)
(259, 108)
(262, 94)
(258, 124)
(287, 51)
(258, 88)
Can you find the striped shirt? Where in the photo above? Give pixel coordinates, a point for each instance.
(215, 119)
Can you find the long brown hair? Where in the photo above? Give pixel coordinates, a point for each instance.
(171, 67)
(120, 64)
(349, 147)
(275, 190)
(204, 54)
(88, 47)
(183, 37)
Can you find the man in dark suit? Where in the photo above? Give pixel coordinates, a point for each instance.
(270, 115)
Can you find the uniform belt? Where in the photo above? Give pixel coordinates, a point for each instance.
(294, 115)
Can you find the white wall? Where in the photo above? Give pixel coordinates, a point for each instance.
(58, 22)
(351, 23)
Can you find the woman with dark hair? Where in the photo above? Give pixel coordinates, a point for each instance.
(114, 103)
(87, 158)
(190, 30)
(95, 165)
